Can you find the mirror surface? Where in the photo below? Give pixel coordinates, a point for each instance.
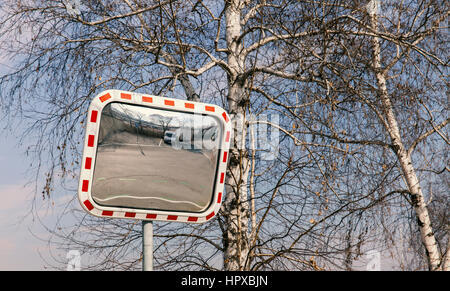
(150, 158)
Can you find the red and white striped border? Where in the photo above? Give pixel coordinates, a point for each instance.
(90, 149)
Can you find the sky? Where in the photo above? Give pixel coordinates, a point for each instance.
(19, 248)
(23, 234)
(23, 239)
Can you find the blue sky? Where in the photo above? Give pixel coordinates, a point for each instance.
(19, 249)
(23, 236)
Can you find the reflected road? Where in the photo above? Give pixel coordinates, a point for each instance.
(166, 178)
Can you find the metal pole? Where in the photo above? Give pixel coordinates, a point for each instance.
(147, 245)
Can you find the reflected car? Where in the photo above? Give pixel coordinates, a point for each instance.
(168, 135)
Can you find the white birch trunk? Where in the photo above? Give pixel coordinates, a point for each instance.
(235, 207)
(409, 173)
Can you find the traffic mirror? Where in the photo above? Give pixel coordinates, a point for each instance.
(153, 158)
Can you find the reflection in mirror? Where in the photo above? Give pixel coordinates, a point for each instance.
(150, 158)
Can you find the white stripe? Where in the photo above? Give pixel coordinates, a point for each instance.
(136, 197)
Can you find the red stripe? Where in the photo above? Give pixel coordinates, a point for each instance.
(88, 163)
(85, 186)
(192, 218)
(169, 102)
(225, 156)
(151, 216)
(130, 214)
(88, 205)
(219, 198)
(225, 116)
(209, 108)
(107, 213)
(172, 217)
(147, 99)
(91, 140)
(105, 97)
(125, 96)
(227, 138)
(222, 177)
(210, 215)
(94, 114)
(189, 105)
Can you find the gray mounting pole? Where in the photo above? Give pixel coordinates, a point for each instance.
(147, 245)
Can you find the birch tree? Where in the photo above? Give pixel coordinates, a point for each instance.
(434, 257)
(400, 49)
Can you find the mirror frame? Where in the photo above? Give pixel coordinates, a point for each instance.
(161, 103)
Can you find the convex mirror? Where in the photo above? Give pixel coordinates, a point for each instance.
(154, 158)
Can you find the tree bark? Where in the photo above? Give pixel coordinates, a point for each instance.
(409, 173)
(235, 209)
